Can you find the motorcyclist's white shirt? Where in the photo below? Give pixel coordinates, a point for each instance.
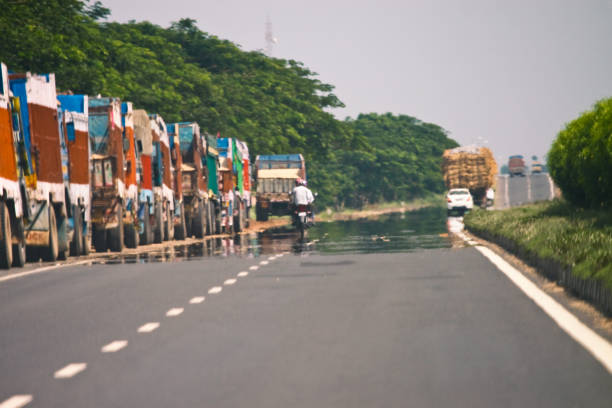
(302, 196)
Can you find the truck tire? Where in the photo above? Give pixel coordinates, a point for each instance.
(19, 249)
(217, 215)
(158, 229)
(77, 236)
(180, 231)
(6, 249)
(99, 239)
(169, 227)
(131, 235)
(52, 251)
(198, 225)
(257, 212)
(115, 235)
(86, 246)
(145, 234)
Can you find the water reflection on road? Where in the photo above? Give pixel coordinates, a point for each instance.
(427, 228)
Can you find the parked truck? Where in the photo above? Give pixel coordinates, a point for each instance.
(516, 165)
(131, 220)
(275, 176)
(108, 173)
(162, 179)
(178, 216)
(470, 167)
(215, 202)
(233, 161)
(43, 188)
(194, 182)
(15, 166)
(74, 127)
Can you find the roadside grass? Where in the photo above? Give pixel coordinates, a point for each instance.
(575, 237)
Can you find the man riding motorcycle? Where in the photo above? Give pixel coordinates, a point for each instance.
(302, 200)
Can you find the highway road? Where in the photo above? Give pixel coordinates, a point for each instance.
(386, 313)
(515, 191)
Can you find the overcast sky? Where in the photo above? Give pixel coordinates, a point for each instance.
(506, 73)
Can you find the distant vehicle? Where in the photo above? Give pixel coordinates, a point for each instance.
(516, 165)
(276, 175)
(459, 199)
(536, 168)
(470, 167)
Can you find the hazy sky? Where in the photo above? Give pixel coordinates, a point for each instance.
(510, 73)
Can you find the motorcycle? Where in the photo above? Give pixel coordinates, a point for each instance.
(302, 219)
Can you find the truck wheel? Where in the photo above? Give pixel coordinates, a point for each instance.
(145, 234)
(131, 235)
(86, 245)
(218, 221)
(19, 249)
(6, 249)
(169, 225)
(257, 212)
(77, 236)
(116, 234)
(52, 251)
(179, 230)
(158, 230)
(99, 239)
(199, 221)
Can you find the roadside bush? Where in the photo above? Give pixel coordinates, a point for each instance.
(580, 160)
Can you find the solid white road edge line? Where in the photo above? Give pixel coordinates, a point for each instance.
(196, 300)
(214, 290)
(253, 268)
(114, 346)
(148, 327)
(41, 270)
(230, 281)
(599, 347)
(175, 311)
(16, 401)
(70, 370)
(243, 274)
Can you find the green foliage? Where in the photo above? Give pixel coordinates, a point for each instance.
(185, 74)
(576, 237)
(580, 160)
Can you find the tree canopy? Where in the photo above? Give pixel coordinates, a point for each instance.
(185, 74)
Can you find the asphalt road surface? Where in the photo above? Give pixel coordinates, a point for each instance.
(514, 191)
(421, 327)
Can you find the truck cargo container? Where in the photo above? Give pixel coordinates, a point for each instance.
(108, 173)
(74, 127)
(196, 199)
(131, 221)
(14, 167)
(276, 176)
(516, 165)
(234, 155)
(470, 167)
(212, 176)
(35, 119)
(162, 180)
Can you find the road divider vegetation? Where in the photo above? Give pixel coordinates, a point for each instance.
(567, 243)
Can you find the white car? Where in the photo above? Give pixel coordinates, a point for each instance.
(459, 199)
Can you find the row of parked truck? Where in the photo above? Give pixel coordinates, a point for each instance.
(78, 172)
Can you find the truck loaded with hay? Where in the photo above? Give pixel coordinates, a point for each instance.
(470, 167)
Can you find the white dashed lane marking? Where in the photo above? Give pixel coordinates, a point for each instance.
(196, 300)
(175, 311)
(271, 258)
(214, 290)
(148, 327)
(264, 262)
(230, 281)
(16, 401)
(254, 268)
(114, 346)
(70, 370)
(243, 274)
